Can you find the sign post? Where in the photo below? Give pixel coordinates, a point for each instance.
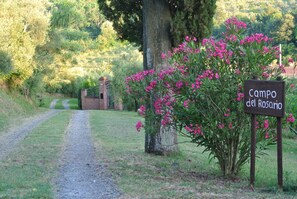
(265, 98)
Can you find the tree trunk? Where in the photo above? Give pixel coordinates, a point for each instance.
(156, 39)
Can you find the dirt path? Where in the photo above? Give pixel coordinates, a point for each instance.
(80, 175)
(65, 104)
(53, 104)
(10, 140)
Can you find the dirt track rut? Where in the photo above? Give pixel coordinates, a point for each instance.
(80, 175)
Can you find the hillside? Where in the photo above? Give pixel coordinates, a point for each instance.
(14, 107)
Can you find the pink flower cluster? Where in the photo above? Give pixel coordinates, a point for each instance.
(258, 37)
(189, 38)
(152, 85)
(141, 110)
(231, 38)
(240, 96)
(206, 74)
(166, 101)
(194, 129)
(290, 118)
(221, 125)
(234, 22)
(186, 103)
(139, 125)
(266, 124)
(139, 76)
(166, 119)
(291, 60)
(227, 113)
(163, 73)
(179, 84)
(217, 49)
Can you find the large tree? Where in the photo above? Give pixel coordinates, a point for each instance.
(157, 26)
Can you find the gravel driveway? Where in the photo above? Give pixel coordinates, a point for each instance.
(80, 175)
(14, 136)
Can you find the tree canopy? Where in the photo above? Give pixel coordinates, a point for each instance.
(189, 17)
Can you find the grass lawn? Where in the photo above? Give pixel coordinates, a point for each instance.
(73, 102)
(187, 174)
(28, 171)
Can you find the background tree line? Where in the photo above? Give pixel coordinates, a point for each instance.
(63, 45)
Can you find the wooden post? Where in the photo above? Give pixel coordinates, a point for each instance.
(253, 151)
(279, 151)
(253, 148)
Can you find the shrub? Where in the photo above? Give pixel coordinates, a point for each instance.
(201, 94)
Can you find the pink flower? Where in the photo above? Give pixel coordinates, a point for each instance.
(148, 89)
(266, 135)
(166, 119)
(188, 38)
(158, 106)
(163, 55)
(227, 114)
(290, 60)
(139, 125)
(292, 86)
(237, 71)
(194, 129)
(217, 76)
(266, 50)
(221, 126)
(230, 125)
(266, 124)
(239, 96)
(186, 103)
(188, 129)
(265, 75)
(290, 119)
(141, 110)
(234, 22)
(179, 84)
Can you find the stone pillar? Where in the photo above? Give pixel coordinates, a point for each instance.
(103, 95)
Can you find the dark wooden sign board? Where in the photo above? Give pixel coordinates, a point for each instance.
(265, 98)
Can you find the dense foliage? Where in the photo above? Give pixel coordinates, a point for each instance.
(201, 95)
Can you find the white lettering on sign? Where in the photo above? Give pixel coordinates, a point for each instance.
(264, 97)
(260, 103)
(270, 104)
(262, 93)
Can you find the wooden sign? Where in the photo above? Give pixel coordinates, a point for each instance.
(264, 97)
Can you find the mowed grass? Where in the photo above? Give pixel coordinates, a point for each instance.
(187, 174)
(73, 102)
(28, 171)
